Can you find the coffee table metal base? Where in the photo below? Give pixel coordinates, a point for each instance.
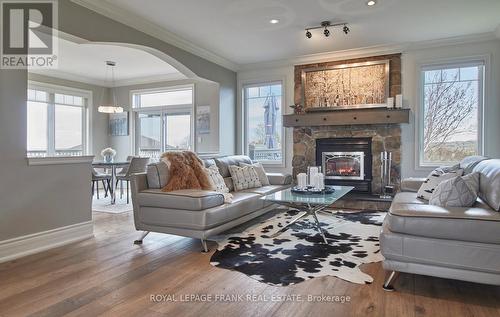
(311, 210)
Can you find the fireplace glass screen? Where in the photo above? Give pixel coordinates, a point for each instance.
(343, 165)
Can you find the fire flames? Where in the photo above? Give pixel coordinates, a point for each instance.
(345, 172)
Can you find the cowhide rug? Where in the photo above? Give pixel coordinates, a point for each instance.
(299, 254)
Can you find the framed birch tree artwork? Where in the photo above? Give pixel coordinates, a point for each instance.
(345, 86)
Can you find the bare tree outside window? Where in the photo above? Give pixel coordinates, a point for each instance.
(451, 99)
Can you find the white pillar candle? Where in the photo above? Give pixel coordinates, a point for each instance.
(399, 101)
(313, 170)
(390, 102)
(301, 180)
(320, 181)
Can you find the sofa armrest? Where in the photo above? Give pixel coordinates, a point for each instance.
(279, 178)
(138, 182)
(411, 184)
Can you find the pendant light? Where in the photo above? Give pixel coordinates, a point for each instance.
(113, 107)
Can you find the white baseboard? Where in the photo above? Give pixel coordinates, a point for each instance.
(22, 246)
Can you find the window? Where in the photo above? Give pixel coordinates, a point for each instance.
(163, 120)
(263, 122)
(56, 122)
(452, 100)
(161, 98)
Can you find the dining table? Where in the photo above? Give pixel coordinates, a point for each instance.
(112, 166)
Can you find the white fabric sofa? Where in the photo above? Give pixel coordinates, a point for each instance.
(197, 213)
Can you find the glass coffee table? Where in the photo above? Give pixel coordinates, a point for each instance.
(309, 204)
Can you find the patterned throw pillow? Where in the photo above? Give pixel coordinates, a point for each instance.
(216, 179)
(218, 183)
(260, 171)
(454, 192)
(434, 179)
(244, 177)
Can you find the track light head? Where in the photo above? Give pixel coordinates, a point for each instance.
(308, 34)
(326, 32)
(346, 29)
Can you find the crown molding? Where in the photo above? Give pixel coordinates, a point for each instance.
(328, 56)
(108, 84)
(370, 51)
(456, 40)
(141, 24)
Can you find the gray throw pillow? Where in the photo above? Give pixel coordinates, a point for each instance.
(434, 179)
(472, 180)
(260, 172)
(454, 192)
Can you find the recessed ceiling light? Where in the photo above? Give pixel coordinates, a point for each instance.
(274, 21)
(371, 3)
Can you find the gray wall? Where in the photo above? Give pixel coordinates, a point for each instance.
(206, 93)
(39, 198)
(34, 198)
(98, 121)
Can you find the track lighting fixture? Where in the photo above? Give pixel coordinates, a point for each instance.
(326, 25)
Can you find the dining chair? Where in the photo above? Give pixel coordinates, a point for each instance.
(137, 165)
(100, 177)
(123, 171)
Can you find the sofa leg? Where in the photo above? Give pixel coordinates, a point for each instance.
(389, 281)
(204, 245)
(139, 241)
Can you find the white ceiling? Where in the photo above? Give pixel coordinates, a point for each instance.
(86, 63)
(239, 30)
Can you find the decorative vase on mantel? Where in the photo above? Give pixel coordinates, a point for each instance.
(108, 155)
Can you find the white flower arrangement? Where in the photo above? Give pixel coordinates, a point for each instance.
(108, 152)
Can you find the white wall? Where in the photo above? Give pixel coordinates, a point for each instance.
(206, 93)
(411, 59)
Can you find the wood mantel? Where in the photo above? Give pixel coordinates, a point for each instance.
(348, 117)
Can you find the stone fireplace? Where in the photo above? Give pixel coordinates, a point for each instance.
(347, 142)
(349, 138)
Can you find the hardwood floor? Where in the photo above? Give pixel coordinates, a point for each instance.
(109, 276)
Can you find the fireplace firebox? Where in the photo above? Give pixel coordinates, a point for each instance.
(346, 161)
(343, 165)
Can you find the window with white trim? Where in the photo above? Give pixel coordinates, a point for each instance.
(56, 121)
(451, 112)
(163, 120)
(263, 122)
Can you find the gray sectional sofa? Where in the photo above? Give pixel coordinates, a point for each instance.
(197, 213)
(448, 242)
